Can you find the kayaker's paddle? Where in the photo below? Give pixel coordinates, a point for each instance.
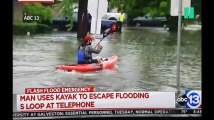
(106, 33)
(99, 42)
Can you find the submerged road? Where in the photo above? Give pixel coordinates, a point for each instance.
(147, 61)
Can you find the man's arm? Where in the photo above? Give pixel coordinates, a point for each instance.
(96, 51)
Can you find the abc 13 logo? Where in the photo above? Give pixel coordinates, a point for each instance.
(191, 99)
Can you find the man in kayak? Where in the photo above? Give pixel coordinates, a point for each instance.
(85, 51)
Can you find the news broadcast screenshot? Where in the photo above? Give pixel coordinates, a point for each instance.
(106, 58)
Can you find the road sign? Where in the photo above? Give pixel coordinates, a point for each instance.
(189, 13)
(97, 9)
(175, 6)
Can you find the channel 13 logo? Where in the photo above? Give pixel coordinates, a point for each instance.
(191, 99)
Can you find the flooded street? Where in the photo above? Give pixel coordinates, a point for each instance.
(147, 61)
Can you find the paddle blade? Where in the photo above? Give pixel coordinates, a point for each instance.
(106, 32)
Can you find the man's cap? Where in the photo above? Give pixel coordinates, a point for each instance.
(88, 38)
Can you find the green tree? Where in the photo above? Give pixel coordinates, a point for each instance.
(67, 9)
(44, 12)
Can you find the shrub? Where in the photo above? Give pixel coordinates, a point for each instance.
(23, 28)
(42, 28)
(33, 28)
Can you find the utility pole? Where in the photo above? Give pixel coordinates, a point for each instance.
(179, 45)
(82, 19)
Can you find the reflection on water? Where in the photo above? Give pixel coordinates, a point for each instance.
(147, 61)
